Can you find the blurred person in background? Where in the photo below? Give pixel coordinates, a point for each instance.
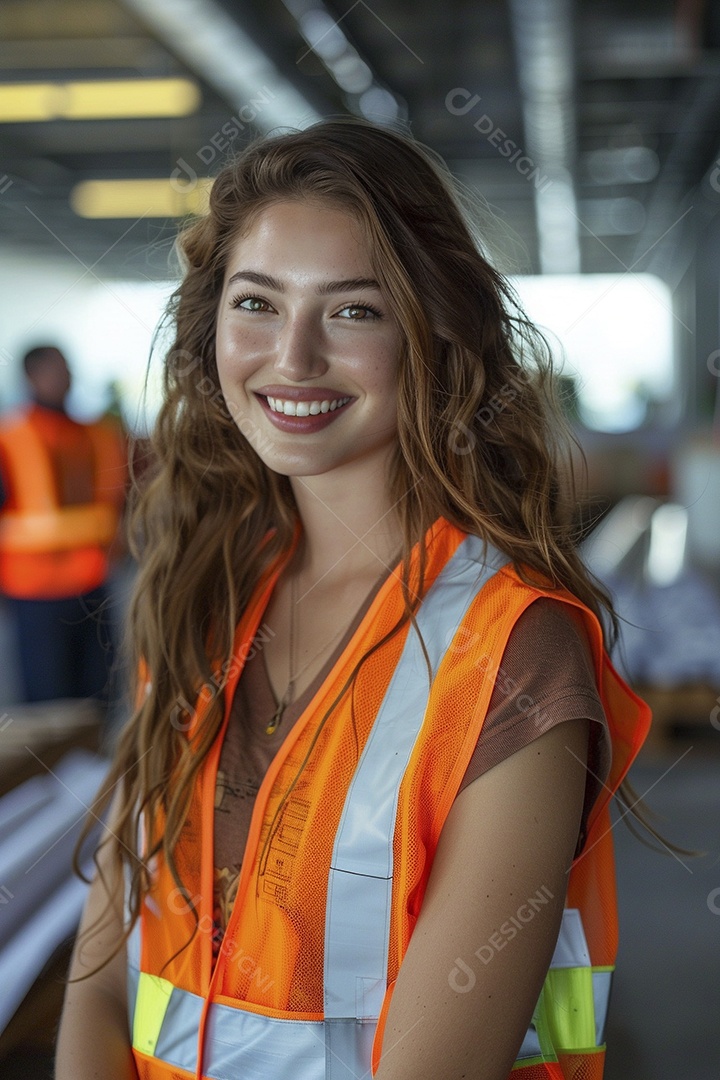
(62, 489)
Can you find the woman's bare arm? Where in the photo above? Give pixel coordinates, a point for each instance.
(509, 834)
(93, 1042)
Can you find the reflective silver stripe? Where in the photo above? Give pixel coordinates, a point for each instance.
(602, 981)
(132, 948)
(530, 1045)
(178, 1039)
(255, 1046)
(133, 978)
(348, 1050)
(360, 881)
(240, 1043)
(571, 949)
(245, 1045)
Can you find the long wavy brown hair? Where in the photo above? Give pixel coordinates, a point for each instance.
(478, 444)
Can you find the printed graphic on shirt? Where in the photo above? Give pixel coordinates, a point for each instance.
(229, 793)
(228, 788)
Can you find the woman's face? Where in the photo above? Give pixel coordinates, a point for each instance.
(307, 346)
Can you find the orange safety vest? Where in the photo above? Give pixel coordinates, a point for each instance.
(48, 550)
(340, 847)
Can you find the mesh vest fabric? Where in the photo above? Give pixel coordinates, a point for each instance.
(272, 969)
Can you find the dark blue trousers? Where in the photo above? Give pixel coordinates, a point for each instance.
(65, 646)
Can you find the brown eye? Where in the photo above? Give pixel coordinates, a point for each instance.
(360, 312)
(250, 303)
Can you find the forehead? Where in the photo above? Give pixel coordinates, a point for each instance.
(302, 234)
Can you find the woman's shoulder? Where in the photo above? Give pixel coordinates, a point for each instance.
(546, 677)
(552, 619)
(548, 660)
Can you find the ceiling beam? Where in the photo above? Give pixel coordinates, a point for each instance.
(545, 54)
(216, 48)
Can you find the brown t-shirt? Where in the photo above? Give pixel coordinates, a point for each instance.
(546, 677)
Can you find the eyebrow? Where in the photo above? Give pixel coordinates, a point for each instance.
(324, 288)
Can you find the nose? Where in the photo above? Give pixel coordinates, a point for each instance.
(299, 353)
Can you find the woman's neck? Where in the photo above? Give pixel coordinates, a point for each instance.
(350, 528)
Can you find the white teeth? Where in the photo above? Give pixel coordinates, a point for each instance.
(305, 408)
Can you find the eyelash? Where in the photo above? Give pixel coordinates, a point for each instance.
(238, 300)
(365, 307)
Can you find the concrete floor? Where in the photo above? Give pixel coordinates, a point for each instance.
(665, 1011)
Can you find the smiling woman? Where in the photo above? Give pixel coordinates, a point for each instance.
(317, 348)
(360, 813)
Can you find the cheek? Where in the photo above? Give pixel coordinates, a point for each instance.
(377, 359)
(233, 350)
(385, 370)
(221, 358)
(236, 347)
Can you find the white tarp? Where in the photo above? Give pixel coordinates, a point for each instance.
(41, 899)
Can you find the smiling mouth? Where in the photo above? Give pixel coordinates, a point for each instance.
(305, 408)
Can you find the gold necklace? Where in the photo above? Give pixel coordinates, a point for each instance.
(276, 719)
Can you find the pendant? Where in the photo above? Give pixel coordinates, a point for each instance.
(277, 716)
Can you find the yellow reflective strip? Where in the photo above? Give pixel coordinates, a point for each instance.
(527, 1063)
(570, 1008)
(153, 995)
(543, 1028)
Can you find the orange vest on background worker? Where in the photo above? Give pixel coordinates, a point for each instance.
(340, 848)
(49, 550)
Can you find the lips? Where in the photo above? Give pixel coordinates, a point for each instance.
(303, 411)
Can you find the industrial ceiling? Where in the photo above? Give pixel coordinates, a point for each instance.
(591, 129)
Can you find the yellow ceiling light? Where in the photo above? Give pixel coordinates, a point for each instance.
(101, 99)
(137, 97)
(138, 198)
